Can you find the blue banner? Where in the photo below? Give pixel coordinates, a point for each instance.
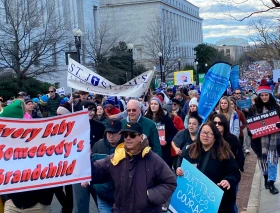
(234, 77)
(214, 85)
(195, 192)
(243, 104)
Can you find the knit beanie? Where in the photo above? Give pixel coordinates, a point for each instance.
(264, 87)
(110, 100)
(64, 108)
(193, 101)
(159, 99)
(14, 110)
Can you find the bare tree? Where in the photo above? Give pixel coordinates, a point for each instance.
(162, 36)
(31, 36)
(264, 6)
(101, 42)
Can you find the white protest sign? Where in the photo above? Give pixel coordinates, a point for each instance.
(82, 78)
(60, 91)
(44, 153)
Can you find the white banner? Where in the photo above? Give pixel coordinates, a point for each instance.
(60, 91)
(82, 78)
(44, 153)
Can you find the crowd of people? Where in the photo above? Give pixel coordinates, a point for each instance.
(132, 169)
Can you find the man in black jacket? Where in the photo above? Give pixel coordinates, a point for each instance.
(100, 150)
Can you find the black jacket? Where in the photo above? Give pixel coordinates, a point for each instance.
(96, 131)
(217, 171)
(236, 149)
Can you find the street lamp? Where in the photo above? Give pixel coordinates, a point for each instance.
(160, 66)
(179, 64)
(197, 76)
(77, 35)
(130, 49)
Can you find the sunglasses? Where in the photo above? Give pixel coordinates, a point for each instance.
(131, 110)
(51, 91)
(130, 134)
(218, 122)
(238, 93)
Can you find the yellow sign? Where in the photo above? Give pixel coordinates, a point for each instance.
(183, 77)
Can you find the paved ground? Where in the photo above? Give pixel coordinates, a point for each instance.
(246, 182)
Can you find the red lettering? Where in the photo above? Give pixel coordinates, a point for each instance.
(52, 171)
(50, 150)
(1, 176)
(67, 147)
(48, 130)
(32, 152)
(17, 133)
(1, 151)
(44, 173)
(16, 177)
(41, 150)
(71, 168)
(59, 148)
(7, 177)
(59, 169)
(27, 131)
(65, 163)
(55, 130)
(36, 173)
(8, 153)
(26, 174)
(62, 128)
(80, 146)
(70, 126)
(20, 153)
(2, 127)
(6, 132)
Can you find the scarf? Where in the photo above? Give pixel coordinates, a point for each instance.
(269, 144)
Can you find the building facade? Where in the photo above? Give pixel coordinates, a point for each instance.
(134, 17)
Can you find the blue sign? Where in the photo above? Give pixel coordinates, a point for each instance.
(234, 77)
(195, 193)
(214, 85)
(244, 103)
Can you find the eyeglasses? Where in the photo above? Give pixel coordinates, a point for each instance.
(218, 122)
(238, 93)
(51, 91)
(131, 110)
(130, 134)
(207, 134)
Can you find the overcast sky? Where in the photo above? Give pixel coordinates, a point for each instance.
(218, 23)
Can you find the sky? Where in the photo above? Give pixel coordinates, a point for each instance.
(219, 18)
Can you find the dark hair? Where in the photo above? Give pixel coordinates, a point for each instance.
(104, 113)
(220, 149)
(271, 104)
(224, 121)
(159, 115)
(195, 116)
(169, 90)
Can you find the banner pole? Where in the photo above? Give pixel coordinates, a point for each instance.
(72, 90)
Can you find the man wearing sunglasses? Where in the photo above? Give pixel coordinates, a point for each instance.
(142, 180)
(149, 127)
(53, 101)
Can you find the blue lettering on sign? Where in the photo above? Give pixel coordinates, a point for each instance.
(95, 81)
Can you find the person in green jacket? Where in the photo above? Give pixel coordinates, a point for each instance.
(149, 127)
(53, 101)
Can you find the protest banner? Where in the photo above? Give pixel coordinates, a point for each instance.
(183, 77)
(214, 85)
(44, 153)
(263, 124)
(195, 193)
(60, 91)
(82, 78)
(243, 104)
(234, 77)
(161, 134)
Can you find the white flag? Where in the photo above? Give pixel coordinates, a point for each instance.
(82, 78)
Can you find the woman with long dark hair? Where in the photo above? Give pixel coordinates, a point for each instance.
(265, 147)
(156, 113)
(213, 157)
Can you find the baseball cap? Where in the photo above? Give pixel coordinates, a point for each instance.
(113, 126)
(132, 127)
(22, 93)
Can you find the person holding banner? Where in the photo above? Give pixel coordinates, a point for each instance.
(266, 146)
(160, 116)
(142, 180)
(211, 155)
(232, 117)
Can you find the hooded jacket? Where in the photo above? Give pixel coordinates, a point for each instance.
(143, 182)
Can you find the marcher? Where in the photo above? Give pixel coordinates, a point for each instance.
(265, 147)
(101, 115)
(110, 108)
(213, 157)
(101, 149)
(176, 109)
(193, 106)
(53, 101)
(149, 127)
(142, 180)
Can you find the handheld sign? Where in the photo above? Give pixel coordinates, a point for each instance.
(263, 124)
(195, 192)
(60, 91)
(161, 134)
(243, 104)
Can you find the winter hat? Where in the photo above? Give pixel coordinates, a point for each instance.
(110, 100)
(64, 108)
(264, 87)
(193, 101)
(159, 99)
(14, 110)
